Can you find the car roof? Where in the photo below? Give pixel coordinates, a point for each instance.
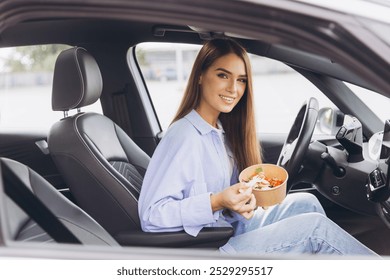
(330, 43)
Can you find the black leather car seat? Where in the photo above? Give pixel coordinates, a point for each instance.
(101, 164)
(22, 228)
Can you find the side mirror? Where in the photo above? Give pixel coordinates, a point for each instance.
(329, 120)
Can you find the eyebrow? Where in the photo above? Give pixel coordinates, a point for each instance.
(227, 71)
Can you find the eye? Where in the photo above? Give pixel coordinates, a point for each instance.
(222, 75)
(243, 80)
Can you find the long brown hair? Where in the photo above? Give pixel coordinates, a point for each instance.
(239, 124)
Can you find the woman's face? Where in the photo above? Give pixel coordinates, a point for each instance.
(222, 86)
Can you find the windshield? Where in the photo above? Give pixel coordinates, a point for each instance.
(378, 103)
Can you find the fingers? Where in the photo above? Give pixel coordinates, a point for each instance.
(247, 210)
(249, 205)
(245, 192)
(248, 215)
(253, 202)
(238, 196)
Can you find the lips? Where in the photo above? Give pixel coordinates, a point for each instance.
(227, 99)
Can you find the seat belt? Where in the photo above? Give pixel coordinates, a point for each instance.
(17, 190)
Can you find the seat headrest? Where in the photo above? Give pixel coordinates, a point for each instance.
(77, 80)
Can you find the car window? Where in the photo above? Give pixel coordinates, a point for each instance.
(279, 90)
(26, 75)
(378, 103)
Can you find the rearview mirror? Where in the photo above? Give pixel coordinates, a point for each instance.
(329, 120)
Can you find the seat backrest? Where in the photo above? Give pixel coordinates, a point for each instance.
(22, 228)
(101, 164)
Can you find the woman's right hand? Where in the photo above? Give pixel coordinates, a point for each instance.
(238, 198)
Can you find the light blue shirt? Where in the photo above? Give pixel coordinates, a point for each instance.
(189, 164)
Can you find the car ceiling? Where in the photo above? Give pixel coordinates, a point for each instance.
(276, 39)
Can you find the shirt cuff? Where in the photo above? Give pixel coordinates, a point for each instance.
(196, 213)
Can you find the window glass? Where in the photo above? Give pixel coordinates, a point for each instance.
(279, 90)
(165, 68)
(378, 103)
(26, 76)
(279, 93)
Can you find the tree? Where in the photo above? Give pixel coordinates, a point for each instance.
(141, 57)
(33, 58)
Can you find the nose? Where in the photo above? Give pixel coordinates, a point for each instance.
(232, 87)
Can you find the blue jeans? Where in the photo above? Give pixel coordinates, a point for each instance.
(297, 226)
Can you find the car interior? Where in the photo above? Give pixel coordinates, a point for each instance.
(87, 170)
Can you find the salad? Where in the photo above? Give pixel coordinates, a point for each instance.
(259, 181)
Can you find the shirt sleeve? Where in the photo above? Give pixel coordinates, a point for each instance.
(174, 194)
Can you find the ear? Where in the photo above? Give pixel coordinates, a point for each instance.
(200, 80)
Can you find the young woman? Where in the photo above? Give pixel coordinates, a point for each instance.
(192, 179)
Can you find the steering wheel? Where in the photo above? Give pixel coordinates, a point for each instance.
(298, 139)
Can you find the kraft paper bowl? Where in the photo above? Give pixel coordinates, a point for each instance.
(272, 196)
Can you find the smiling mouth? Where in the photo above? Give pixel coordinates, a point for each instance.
(227, 99)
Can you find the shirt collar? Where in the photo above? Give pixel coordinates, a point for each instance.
(200, 124)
